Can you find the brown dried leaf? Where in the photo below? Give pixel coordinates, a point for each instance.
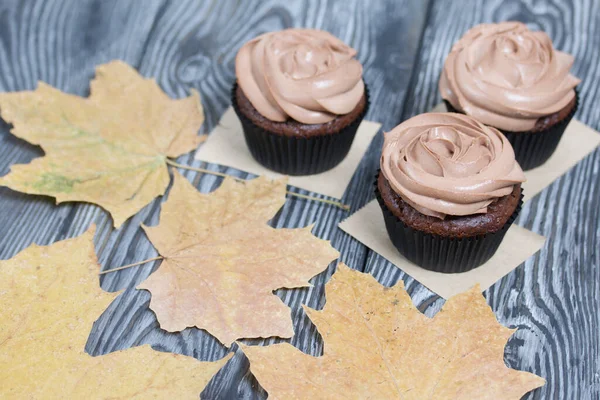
(223, 261)
(377, 345)
(108, 149)
(49, 299)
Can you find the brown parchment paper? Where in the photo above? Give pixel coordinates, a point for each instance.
(368, 227)
(226, 146)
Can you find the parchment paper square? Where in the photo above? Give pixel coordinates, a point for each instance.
(368, 227)
(226, 146)
(578, 141)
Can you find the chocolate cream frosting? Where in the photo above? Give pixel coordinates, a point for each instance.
(507, 76)
(449, 164)
(304, 74)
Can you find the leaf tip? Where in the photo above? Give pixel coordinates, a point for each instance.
(476, 288)
(201, 139)
(226, 358)
(118, 220)
(91, 230)
(195, 93)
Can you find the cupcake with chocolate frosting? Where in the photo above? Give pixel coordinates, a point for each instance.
(449, 188)
(300, 97)
(513, 79)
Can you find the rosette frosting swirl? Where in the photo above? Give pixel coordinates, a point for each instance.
(507, 76)
(304, 74)
(449, 164)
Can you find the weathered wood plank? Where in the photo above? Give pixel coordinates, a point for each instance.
(554, 297)
(59, 42)
(205, 59)
(189, 44)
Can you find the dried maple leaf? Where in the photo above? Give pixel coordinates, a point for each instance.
(223, 261)
(49, 299)
(377, 345)
(110, 148)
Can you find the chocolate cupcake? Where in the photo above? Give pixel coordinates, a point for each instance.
(449, 188)
(300, 97)
(513, 79)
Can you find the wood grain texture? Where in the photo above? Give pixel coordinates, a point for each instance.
(186, 44)
(190, 44)
(554, 297)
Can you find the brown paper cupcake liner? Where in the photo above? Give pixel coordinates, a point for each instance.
(443, 254)
(297, 155)
(532, 149)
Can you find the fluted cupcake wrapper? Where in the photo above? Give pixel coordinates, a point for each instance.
(297, 155)
(439, 253)
(532, 149)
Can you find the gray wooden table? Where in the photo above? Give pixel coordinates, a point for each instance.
(553, 298)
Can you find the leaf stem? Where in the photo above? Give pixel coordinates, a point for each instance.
(106, 271)
(205, 171)
(301, 196)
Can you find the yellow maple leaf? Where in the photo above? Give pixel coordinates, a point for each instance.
(377, 345)
(108, 149)
(223, 261)
(49, 299)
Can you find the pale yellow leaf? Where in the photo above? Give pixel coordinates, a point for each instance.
(377, 345)
(223, 261)
(109, 148)
(49, 299)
